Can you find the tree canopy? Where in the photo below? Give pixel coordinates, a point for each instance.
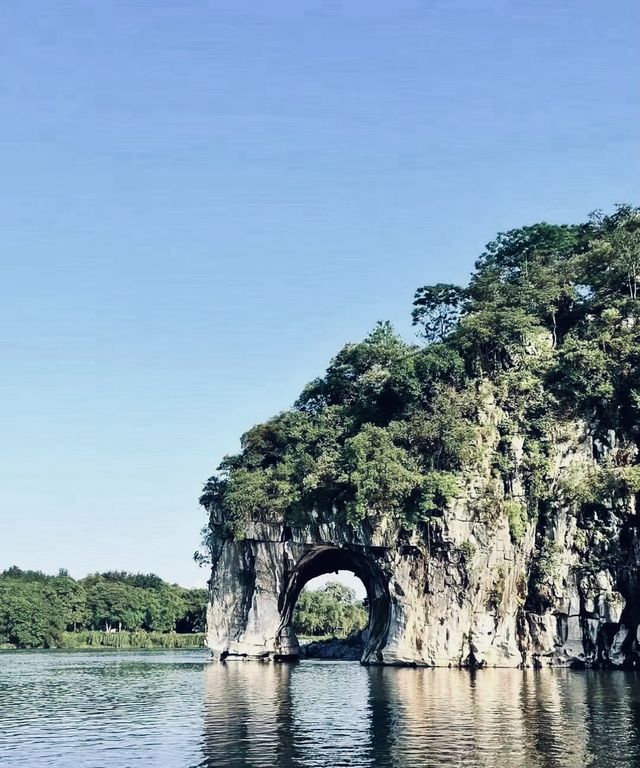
(332, 610)
(35, 609)
(549, 319)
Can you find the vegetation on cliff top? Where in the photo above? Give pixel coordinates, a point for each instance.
(41, 611)
(548, 324)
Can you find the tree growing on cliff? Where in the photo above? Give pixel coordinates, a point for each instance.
(436, 309)
(550, 321)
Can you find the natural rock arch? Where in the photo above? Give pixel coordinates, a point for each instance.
(449, 594)
(423, 612)
(328, 559)
(256, 582)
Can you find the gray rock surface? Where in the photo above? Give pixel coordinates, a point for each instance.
(458, 590)
(347, 649)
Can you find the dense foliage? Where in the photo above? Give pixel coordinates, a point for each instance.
(332, 610)
(549, 320)
(37, 610)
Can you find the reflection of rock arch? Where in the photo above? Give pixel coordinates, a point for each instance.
(328, 559)
(282, 715)
(242, 704)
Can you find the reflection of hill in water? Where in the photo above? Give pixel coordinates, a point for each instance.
(329, 714)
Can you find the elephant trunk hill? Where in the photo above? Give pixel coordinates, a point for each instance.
(483, 484)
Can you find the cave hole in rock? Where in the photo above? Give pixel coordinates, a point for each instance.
(335, 605)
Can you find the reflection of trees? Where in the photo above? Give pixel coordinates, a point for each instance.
(435, 717)
(579, 718)
(331, 713)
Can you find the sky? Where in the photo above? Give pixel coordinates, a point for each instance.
(203, 201)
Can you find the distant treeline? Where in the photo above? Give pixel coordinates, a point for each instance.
(39, 611)
(334, 610)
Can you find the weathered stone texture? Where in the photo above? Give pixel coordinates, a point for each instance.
(455, 591)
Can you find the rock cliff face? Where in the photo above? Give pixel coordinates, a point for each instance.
(468, 588)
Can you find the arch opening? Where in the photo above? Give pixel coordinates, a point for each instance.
(330, 616)
(327, 560)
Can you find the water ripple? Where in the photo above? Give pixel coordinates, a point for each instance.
(176, 709)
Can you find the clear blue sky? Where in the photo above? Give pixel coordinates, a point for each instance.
(202, 201)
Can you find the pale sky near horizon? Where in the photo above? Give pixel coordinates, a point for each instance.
(204, 200)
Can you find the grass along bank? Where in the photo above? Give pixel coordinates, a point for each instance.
(140, 640)
(134, 640)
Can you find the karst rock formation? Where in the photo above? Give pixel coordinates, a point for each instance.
(483, 484)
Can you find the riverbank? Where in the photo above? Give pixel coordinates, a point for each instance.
(85, 639)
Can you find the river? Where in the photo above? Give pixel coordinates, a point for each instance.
(176, 709)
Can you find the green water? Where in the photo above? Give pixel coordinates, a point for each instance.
(175, 708)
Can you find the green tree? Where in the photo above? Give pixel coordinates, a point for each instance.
(523, 281)
(611, 264)
(114, 605)
(331, 610)
(193, 618)
(548, 327)
(162, 609)
(383, 476)
(71, 601)
(355, 368)
(436, 309)
(35, 608)
(27, 618)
